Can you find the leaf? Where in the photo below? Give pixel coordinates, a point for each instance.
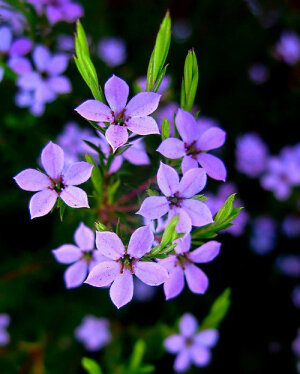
(137, 355)
(199, 197)
(165, 129)
(190, 81)
(101, 227)
(90, 366)
(169, 233)
(225, 210)
(152, 192)
(96, 176)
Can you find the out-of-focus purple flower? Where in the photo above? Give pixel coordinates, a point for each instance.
(182, 266)
(65, 43)
(83, 256)
(112, 51)
(163, 88)
(291, 226)
(4, 323)
(296, 345)
(194, 146)
(55, 183)
(263, 235)
(191, 346)
(143, 292)
(168, 111)
(289, 265)
(94, 333)
(124, 263)
(251, 155)
(181, 30)
(258, 73)
(288, 47)
(177, 199)
(133, 116)
(11, 16)
(13, 47)
(296, 296)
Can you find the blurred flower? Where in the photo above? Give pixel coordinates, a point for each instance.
(55, 183)
(168, 111)
(263, 235)
(83, 257)
(121, 117)
(143, 292)
(288, 47)
(190, 346)
(94, 333)
(182, 265)
(10, 15)
(65, 43)
(296, 345)
(296, 296)
(123, 263)
(163, 88)
(194, 146)
(112, 51)
(289, 265)
(291, 226)
(181, 30)
(4, 323)
(258, 73)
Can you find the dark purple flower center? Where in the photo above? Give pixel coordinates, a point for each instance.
(87, 255)
(182, 260)
(57, 184)
(127, 262)
(119, 118)
(175, 200)
(189, 342)
(191, 149)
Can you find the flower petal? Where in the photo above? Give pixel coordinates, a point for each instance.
(142, 104)
(142, 125)
(41, 203)
(78, 173)
(188, 325)
(110, 245)
(103, 274)
(75, 274)
(154, 207)
(150, 273)
(121, 291)
(84, 237)
(52, 158)
(196, 279)
(75, 197)
(183, 244)
(28, 81)
(211, 139)
(175, 284)
(116, 136)
(207, 338)
(94, 110)
(41, 57)
(21, 66)
(60, 84)
(32, 180)
(214, 167)
(174, 343)
(188, 163)
(137, 156)
(198, 212)
(182, 361)
(192, 182)
(58, 64)
(20, 47)
(5, 39)
(187, 126)
(140, 242)
(116, 92)
(200, 355)
(67, 254)
(184, 224)
(206, 253)
(172, 148)
(167, 179)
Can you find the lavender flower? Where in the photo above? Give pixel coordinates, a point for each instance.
(288, 47)
(94, 333)
(191, 346)
(124, 263)
(263, 235)
(182, 265)
(258, 73)
(121, 117)
(194, 146)
(289, 265)
(291, 226)
(167, 111)
(55, 183)
(83, 256)
(15, 19)
(112, 51)
(178, 199)
(4, 323)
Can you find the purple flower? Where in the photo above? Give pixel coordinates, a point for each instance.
(182, 265)
(4, 323)
(94, 333)
(263, 235)
(258, 73)
(289, 265)
(251, 155)
(194, 146)
(121, 117)
(124, 263)
(167, 111)
(288, 47)
(83, 256)
(178, 199)
(291, 226)
(11, 16)
(65, 43)
(112, 51)
(55, 183)
(190, 346)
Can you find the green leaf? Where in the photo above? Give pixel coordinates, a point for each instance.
(137, 355)
(152, 192)
(96, 177)
(112, 189)
(169, 233)
(90, 366)
(165, 129)
(101, 227)
(190, 81)
(199, 197)
(118, 227)
(119, 151)
(225, 210)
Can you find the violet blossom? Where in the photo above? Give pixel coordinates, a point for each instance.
(191, 346)
(263, 235)
(112, 51)
(288, 47)
(54, 183)
(4, 323)
(182, 266)
(121, 117)
(11, 16)
(258, 73)
(123, 263)
(289, 265)
(194, 146)
(83, 256)
(291, 226)
(167, 111)
(177, 199)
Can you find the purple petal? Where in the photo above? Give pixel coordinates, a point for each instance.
(182, 361)
(206, 253)
(20, 65)
(41, 203)
(207, 338)
(116, 164)
(150, 273)
(20, 47)
(211, 139)
(43, 93)
(53, 14)
(213, 166)
(154, 207)
(60, 84)
(172, 148)
(78, 173)
(200, 355)
(188, 163)
(188, 325)
(136, 156)
(75, 274)
(142, 104)
(41, 57)
(167, 179)
(184, 224)
(73, 11)
(168, 263)
(140, 242)
(32, 180)
(58, 64)
(116, 92)
(192, 182)
(4, 320)
(75, 197)
(4, 338)
(116, 136)
(198, 212)
(121, 291)
(94, 110)
(103, 274)
(84, 237)
(5, 38)
(196, 279)
(110, 245)
(183, 244)
(29, 81)
(174, 343)
(67, 254)
(187, 126)
(175, 284)
(52, 158)
(142, 125)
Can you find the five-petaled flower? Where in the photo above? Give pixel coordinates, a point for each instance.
(177, 199)
(182, 265)
(194, 146)
(56, 183)
(123, 263)
(83, 257)
(121, 117)
(191, 346)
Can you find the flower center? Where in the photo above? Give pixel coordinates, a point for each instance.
(191, 149)
(189, 342)
(57, 184)
(119, 118)
(87, 255)
(127, 262)
(175, 200)
(182, 260)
